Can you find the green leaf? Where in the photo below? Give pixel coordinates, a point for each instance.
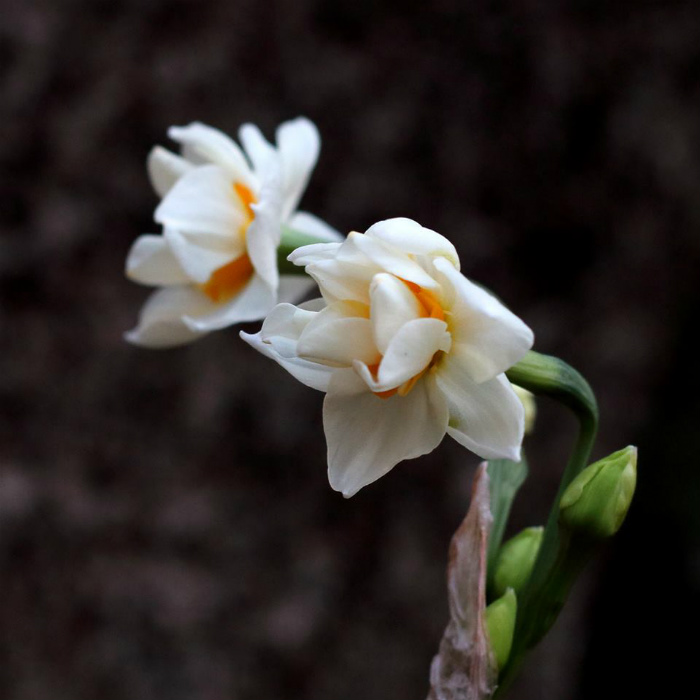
(506, 478)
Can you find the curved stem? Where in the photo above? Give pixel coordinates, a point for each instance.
(542, 598)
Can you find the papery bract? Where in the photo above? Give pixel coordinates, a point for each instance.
(222, 210)
(406, 349)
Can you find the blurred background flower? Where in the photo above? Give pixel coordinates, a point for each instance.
(556, 144)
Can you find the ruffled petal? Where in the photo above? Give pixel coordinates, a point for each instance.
(202, 201)
(298, 144)
(150, 261)
(200, 261)
(367, 436)
(337, 339)
(487, 418)
(487, 337)
(392, 304)
(264, 233)
(202, 144)
(340, 280)
(286, 321)
(161, 323)
(281, 351)
(410, 237)
(251, 304)
(314, 253)
(165, 168)
(409, 353)
(388, 259)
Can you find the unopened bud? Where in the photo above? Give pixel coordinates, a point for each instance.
(500, 622)
(516, 560)
(527, 398)
(597, 500)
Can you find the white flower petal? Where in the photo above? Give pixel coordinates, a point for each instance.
(410, 237)
(487, 337)
(203, 201)
(409, 353)
(331, 338)
(313, 253)
(250, 304)
(487, 418)
(367, 436)
(308, 223)
(257, 147)
(389, 259)
(341, 280)
(264, 233)
(392, 305)
(203, 144)
(286, 321)
(198, 261)
(161, 323)
(310, 373)
(165, 168)
(150, 261)
(298, 143)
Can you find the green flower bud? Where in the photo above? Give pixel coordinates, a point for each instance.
(597, 500)
(500, 622)
(516, 560)
(527, 398)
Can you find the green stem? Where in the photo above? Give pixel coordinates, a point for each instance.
(542, 598)
(291, 240)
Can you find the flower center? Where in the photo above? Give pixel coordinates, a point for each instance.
(228, 280)
(429, 308)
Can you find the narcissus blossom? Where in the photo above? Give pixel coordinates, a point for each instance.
(222, 210)
(406, 349)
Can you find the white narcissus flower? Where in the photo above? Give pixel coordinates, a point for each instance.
(222, 210)
(406, 349)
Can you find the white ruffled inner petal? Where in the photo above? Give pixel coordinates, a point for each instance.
(410, 237)
(392, 305)
(410, 352)
(200, 261)
(203, 201)
(337, 336)
(283, 351)
(264, 233)
(389, 259)
(252, 303)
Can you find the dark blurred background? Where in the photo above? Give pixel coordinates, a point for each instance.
(167, 531)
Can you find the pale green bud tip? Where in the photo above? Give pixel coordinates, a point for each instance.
(500, 622)
(597, 500)
(527, 398)
(516, 560)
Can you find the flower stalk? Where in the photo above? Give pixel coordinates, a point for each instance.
(554, 570)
